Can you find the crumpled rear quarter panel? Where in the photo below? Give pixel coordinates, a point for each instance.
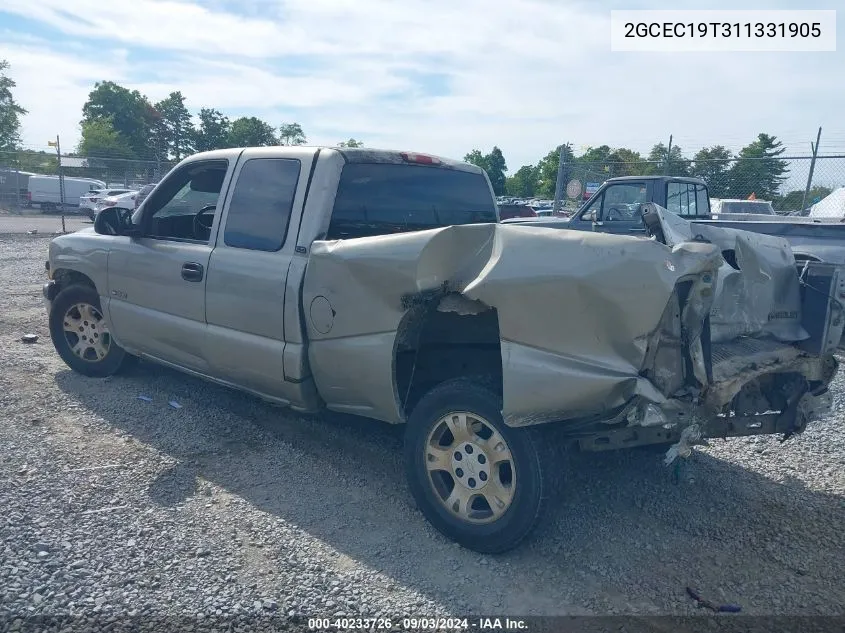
(575, 311)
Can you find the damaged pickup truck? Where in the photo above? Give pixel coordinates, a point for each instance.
(380, 283)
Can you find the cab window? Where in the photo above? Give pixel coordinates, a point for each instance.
(684, 198)
(261, 204)
(591, 212)
(184, 207)
(621, 202)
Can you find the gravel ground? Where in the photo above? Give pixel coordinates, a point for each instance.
(115, 506)
(34, 220)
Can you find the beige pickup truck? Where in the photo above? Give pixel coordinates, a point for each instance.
(381, 284)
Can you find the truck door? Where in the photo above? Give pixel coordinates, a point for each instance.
(615, 209)
(157, 280)
(248, 268)
(620, 208)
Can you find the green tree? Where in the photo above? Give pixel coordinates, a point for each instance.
(603, 162)
(626, 162)
(213, 130)
(659, 154)
(174, 129)
(712, 165)
(792, 200)
(251, 132)
(129, 112)
(351, 143)
(100, 139)
(494, 164)
(523, 183)
(40, 162)
(547, 169)
(10, 111)
(475, 157)
(496, 170)
(758, 169)
(291, 134)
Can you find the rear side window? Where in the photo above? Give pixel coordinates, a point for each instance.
(259, 212)
(379, 199)
(681, 198)
(701, 204)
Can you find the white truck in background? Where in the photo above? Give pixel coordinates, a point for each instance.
(45, 191)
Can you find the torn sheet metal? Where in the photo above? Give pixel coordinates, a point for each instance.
(757, 291)
(576, 311)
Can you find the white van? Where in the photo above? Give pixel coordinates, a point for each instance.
(44, 190)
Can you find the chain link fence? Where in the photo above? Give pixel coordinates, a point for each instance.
(34, 205)
(786, 181)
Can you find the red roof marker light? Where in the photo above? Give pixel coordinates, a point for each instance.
(420, 159)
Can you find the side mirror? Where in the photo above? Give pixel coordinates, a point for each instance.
(589, 216)
(115, 221)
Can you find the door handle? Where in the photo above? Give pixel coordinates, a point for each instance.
(636, 230)
(191, 271)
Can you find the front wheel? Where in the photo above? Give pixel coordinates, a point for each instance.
(81, 335)
(478, 481)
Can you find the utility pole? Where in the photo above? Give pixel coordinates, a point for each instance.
(61, 178)
(561, 176)
(812, 168)
(668, 155)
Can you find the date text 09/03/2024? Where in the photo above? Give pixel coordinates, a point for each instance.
(416, 624)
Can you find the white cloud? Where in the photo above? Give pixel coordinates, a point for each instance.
(53, 87)
(525, 76)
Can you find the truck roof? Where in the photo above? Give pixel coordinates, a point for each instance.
(370, 155)
(690, 179)
(362, 155)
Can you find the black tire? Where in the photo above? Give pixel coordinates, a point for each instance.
(530, 490)
(114, 360)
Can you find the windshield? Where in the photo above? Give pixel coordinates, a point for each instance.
(379, 198)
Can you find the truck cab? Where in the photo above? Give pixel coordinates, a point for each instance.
(615, 208)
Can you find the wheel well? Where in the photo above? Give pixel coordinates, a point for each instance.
(65, 278)
(448, 338)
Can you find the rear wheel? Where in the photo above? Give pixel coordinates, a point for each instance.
(478, 481)
(81, 335)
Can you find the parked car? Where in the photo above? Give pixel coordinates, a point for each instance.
(45, 191)
(88, 203)
(143, 192)
(125, 200)
(381, 284)
(726, 206)
(516, 211)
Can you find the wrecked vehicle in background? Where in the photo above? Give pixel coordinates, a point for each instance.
(381, 284)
